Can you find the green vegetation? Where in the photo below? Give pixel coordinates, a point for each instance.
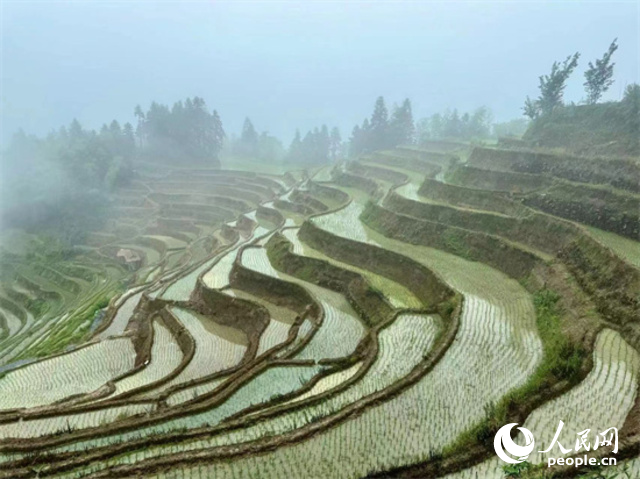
(382, 132)
(512, 128)
(599, 129)
(513, 471)
(317, 147)
(72, 331)
(599, 77)
(551, 88)
(186, 130)
(602, 207)
(455, 243)
(264, 147)
(60, 185)
(475, 125)
(592, 129)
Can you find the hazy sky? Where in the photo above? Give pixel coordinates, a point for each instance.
(296, 64)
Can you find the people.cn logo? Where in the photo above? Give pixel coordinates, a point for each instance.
(503, 441)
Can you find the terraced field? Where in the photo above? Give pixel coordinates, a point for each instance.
(610, 390)
(381, 319)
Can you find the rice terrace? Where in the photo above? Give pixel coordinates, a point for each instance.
(180, 302)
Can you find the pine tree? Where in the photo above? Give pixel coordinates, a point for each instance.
(186, 131)
(217, 133)
(75, 131)
(378, 137)
(599, 77)
(114, 128)
(314, 148)
(249, 139)
(401, 127)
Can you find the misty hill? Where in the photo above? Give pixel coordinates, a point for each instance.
(609, 129)
(60, 184)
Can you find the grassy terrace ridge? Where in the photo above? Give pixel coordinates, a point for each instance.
(397, 294)
(426, 286)
(269, 317)
(617, 172)
(382, 174)
(427, 166)
(444, 196)
(475, 198)
(465, 243)
(497, 181)
(534, 231)
(590, 261)
(371, 304)
(601, 207)
(599, 130)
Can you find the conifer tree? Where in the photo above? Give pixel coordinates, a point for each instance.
(401, 127)
(249, 139)
(378, 134)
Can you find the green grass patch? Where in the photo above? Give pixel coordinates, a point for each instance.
(456, 244)
(71, 331)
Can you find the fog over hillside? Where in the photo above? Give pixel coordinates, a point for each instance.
(290, 64)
